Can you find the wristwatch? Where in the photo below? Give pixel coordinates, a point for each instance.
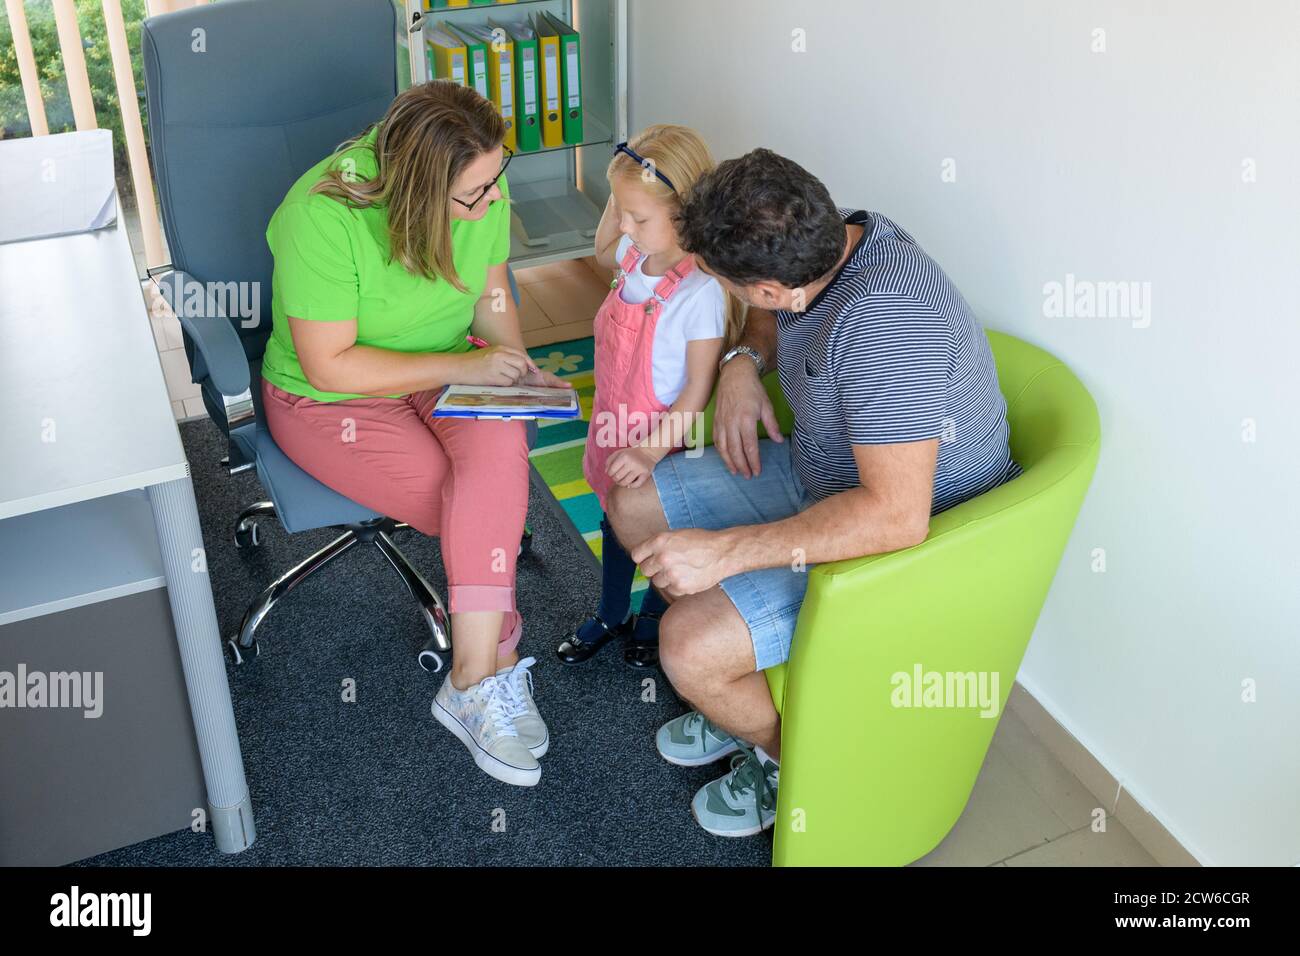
(744, 350)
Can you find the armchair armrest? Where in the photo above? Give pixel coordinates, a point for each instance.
(202, 315)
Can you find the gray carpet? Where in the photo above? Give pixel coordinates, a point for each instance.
(378, 781)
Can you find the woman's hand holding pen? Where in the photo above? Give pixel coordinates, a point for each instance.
(494, 365)
(505, 365)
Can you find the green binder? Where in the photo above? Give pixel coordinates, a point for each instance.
(527, 105)
(571, 74)
(476, 53)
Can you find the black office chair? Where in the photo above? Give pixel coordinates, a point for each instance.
(244, 96)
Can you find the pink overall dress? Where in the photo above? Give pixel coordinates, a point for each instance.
(624, 334)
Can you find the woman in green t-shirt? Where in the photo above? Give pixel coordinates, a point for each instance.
(388, 253)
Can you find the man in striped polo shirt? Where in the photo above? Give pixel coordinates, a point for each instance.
(897, 416)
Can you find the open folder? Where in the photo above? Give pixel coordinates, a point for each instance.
(506, 401)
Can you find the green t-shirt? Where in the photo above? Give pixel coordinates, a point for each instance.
(331, 264)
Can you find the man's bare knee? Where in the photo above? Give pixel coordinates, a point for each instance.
(703, 642)
(678, 654)
(635, 514)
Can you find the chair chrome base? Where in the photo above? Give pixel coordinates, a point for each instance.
(244, 647)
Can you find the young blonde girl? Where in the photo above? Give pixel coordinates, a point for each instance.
(658, 335)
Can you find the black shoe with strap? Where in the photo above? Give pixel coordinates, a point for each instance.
(642, 653)
(574, 650)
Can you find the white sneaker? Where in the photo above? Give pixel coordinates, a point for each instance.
(480, 716)
(528, 719)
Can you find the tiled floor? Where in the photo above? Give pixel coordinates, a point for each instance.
(1028, 810)
(557, 302)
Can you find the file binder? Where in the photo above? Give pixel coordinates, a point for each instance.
(571, 85)
(529, 126)
(548, 45)
(456, 4)
(501, 82)
(446, 56)
(476, 59)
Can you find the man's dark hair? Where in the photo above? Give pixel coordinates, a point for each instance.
(762, 216)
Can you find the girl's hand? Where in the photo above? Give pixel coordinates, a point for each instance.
(494, 365)
(630, 467)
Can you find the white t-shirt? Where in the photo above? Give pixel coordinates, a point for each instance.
(697, 310)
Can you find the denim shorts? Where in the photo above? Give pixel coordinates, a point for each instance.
(701, 493)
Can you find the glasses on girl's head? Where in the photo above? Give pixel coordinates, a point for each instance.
(488, 188)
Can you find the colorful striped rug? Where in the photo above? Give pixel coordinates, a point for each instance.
(557, 455)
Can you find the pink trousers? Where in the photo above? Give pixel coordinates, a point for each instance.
(461, 480)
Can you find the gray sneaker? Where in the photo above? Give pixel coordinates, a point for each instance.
(692, 741)
(741, 803)
(480, 717)
(528, 719)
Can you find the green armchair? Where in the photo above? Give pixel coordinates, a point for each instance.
(867, 779)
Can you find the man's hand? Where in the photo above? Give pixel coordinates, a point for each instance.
(684, 562)
(742, 403)
(630, 467)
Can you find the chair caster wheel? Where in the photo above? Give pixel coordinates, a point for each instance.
(242, 655)
(430, 660)
(246, 536)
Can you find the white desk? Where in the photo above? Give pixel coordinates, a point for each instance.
(96, 505)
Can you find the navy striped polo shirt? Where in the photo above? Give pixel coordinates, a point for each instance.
(890, 352)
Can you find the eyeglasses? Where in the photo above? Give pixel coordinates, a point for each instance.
(488, 187)
(644, 163)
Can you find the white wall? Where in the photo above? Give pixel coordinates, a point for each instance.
(1125, 164)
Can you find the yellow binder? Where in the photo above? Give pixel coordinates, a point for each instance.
(548, 48)
(447, 57)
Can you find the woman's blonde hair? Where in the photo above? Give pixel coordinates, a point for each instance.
(681, 154)
(429, 134)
